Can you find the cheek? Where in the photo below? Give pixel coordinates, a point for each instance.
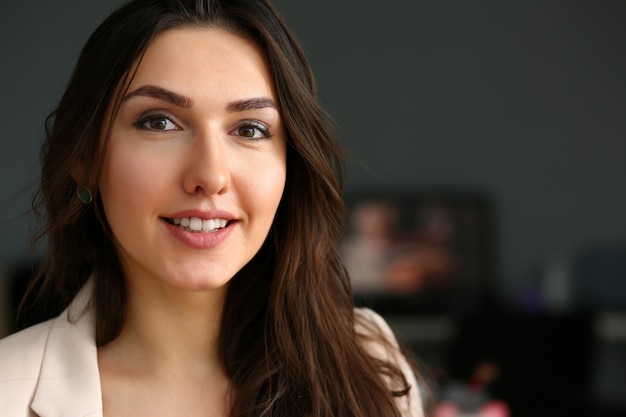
(129, 181)
(266, 182)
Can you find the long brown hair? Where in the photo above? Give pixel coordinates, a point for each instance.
(288, 340)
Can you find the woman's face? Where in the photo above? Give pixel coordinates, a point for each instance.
(196, 163)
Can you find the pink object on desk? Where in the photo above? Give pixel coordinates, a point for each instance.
(447, 409)
(494, 408)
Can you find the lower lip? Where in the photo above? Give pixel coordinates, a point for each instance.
(200, 240)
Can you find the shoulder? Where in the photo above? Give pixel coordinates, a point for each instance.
(376, 336)
(21, 352)
(368, 320)
(380, 343)
(21, 356)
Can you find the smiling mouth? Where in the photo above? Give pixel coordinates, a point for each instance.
(198, 225)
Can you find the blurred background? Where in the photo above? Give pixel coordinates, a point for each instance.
(486, 150)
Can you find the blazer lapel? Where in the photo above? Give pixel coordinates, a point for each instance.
(69, 383)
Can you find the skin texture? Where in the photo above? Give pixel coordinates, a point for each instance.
(196, 135)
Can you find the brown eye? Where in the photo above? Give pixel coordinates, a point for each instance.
(247, 131)
(252, 129)
(156, 122)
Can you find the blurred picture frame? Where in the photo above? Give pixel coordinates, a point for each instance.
(411, 251)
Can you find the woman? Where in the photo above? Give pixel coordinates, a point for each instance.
(192, 188)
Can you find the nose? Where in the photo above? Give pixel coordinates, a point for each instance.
(207, 168)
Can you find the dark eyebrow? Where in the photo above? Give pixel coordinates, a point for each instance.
(185, 102)
(251, 104)
(161, 94)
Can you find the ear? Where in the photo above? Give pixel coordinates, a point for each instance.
(77, 171)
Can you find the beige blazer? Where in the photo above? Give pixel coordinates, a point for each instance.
(51, 369)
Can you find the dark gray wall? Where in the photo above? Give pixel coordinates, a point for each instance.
(522, 99)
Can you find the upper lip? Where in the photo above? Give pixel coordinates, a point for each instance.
(201, 214)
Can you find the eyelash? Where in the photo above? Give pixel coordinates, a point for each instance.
(261, 127)
(141, 122)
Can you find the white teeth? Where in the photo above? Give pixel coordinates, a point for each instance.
(196, 224)
(208, 225)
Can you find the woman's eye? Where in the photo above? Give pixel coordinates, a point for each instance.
(252, 130)
(156, 122)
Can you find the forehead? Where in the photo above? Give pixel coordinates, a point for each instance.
(199, 60)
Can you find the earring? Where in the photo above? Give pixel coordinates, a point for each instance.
(84, 194)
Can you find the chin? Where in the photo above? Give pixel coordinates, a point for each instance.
(199, 283)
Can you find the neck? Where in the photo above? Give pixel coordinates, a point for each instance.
(165, 361)
(171, 331)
